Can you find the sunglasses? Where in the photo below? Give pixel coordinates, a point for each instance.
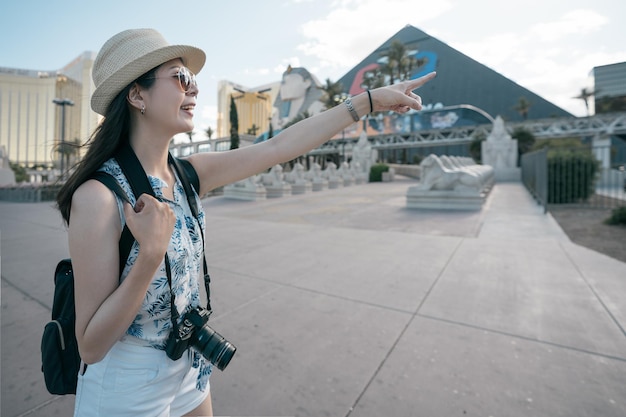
(185, 78)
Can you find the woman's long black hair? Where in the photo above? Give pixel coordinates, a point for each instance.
(109, 136)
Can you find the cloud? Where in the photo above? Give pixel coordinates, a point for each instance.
(576, 22)
(294, 61)
(353, 28)
(256, 71)
(549, 58)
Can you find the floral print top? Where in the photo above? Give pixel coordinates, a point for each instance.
(152, 324)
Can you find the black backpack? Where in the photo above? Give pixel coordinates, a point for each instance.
(59, 348)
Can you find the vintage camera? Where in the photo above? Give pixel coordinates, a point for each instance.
(194, 331)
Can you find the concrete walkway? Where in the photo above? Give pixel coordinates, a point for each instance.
(343, 302)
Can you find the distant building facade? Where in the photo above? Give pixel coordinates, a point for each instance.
(280, 103)
(610, 88)
(30, 123)
(254, 107)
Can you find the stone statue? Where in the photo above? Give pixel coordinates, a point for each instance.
(249, 189)
(299, 92)
(7, 176)
(499, 150)
(4, 158)
(359, 175)
(345, 174)
(449, 183)
(330, 173)
(274, 182)
(364, 154)
(316, 177)
(297, 179)
(436, 176)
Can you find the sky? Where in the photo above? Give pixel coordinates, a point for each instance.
(548, 46)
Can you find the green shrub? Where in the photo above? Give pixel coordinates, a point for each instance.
(20, 172)
(618, 216)
(571, 176)
(376, 172)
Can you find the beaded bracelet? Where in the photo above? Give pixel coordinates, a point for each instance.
(350, 107)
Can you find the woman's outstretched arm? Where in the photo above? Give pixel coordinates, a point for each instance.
(221, 168)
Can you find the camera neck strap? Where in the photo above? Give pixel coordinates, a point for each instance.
(139, 183)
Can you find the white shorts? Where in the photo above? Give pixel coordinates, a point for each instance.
(136, 381)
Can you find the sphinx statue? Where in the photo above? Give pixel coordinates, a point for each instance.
(297, 179)
(316, 177)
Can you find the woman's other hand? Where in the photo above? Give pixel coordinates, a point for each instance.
(151, 223)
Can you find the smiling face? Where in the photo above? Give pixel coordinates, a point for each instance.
(167, 105)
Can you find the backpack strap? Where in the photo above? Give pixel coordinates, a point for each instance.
(126, 239)
(134, 172)
(188, 176)
(188, 171)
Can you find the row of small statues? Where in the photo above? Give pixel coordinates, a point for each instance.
(277, 183)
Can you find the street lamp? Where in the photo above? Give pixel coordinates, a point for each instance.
(63, 103)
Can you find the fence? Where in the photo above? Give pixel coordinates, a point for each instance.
(29, 193)
(588, 176)
(535, 175)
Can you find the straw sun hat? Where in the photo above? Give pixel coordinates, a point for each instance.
(130, 54)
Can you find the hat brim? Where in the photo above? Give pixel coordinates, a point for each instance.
(193, 58)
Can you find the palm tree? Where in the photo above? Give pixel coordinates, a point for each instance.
(300, 116)
(253, 129)
(397, 64)
(525, 141)
(209, 132)
(522, 107)
(234, 125)
(270, 132)
(190, 134)
(333, 94)
(585, 95)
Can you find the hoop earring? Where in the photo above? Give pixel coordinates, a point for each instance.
(143, 109)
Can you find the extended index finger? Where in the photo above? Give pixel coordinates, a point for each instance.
(418, 82)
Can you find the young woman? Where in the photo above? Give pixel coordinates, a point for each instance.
(146, 90)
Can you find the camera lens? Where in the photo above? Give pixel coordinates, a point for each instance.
(214, 347)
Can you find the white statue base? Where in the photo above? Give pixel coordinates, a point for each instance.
(360, 179)
(417, 198)
(301, 187)
(279, 190)
(508, 175)
(319, 184)
(334, 183)
(248, 190)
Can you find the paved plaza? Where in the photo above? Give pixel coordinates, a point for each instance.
(345, 303)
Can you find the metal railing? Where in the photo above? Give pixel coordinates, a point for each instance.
(535, 175)
(583, 176)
